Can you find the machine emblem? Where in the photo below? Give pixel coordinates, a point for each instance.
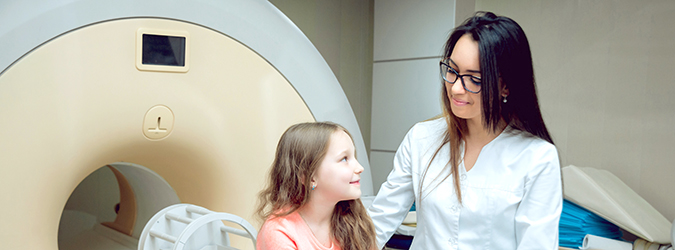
(158, 122)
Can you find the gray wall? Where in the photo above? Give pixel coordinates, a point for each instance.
(605, 72)
(408, 40)
(342, 31)
(606, 77)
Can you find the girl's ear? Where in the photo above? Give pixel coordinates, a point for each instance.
(312, 182)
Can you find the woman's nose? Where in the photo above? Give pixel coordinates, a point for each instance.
(457, 87)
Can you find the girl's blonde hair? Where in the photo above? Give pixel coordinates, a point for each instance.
(299, 154)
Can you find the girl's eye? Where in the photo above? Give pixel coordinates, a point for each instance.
(344, 158)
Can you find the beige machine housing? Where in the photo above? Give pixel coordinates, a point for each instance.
(78, 112)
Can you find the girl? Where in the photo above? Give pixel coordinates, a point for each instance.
(312, 198)
(486, 175)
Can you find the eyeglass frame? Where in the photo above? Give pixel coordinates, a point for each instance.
(460, 77)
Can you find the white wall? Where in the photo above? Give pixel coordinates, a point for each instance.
(407, 44)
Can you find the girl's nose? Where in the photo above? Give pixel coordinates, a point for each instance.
(359, 168)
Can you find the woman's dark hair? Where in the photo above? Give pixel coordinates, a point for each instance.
(504, 57)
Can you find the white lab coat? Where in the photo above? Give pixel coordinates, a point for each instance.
(511, 198)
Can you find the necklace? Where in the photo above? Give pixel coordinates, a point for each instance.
(328, 244)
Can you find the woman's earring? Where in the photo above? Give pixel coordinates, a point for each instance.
(313, 187)
(505, 99)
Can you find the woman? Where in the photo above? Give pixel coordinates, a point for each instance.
(312, 197)
(486, 175)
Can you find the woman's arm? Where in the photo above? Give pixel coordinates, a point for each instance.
(395, 197)
(538, 214)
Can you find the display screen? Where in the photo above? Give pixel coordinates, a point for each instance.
(163, 50)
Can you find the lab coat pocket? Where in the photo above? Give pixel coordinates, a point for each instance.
(505, 202)
(489, 211)
(493, 201)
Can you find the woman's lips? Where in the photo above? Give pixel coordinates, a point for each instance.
(458, 102)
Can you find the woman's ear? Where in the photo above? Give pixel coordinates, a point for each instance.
(503, 91)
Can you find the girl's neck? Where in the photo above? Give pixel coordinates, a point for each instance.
(317, 212)
(317, 215)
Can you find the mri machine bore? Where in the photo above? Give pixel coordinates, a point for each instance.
(114, 110)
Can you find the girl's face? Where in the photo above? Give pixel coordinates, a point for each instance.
(465, 60)
(338, 177)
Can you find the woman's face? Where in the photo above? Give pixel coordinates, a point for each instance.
(465, 60)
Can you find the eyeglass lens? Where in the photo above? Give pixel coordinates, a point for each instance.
(469, 82)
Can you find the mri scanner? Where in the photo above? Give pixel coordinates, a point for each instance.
(111, 111)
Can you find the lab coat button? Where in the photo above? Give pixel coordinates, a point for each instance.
(453, 243)
(463, 177)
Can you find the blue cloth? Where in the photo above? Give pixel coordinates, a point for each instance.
(576, 222)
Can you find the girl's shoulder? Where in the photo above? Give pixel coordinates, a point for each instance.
(279, 231)
(284, 221)
(288, 232)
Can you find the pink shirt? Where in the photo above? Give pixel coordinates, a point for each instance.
(289, 232)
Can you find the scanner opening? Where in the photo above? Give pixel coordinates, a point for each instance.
(110, 207)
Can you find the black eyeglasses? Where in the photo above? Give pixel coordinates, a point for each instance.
(450, 75)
